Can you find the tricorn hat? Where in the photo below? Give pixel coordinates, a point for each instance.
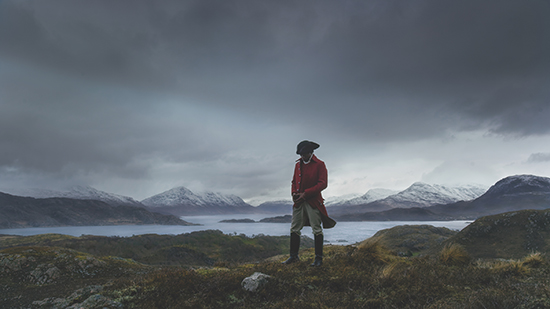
(306, 147)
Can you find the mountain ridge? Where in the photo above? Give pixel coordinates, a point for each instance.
(512, 193)
(80, 193)
(181, 201)
(418, 195)
(23, 212)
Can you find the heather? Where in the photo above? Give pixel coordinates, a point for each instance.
(441, 269)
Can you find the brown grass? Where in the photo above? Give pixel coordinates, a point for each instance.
(454, 255)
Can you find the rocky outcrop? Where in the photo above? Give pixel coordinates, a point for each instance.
(90, 294)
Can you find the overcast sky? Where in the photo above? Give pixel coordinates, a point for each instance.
(137, 97)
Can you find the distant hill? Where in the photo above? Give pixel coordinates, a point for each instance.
(508, 194)
(181, 201)
(22, 212)
(508, 235)
(80, 193)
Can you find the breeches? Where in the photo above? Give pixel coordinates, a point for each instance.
(302, 213)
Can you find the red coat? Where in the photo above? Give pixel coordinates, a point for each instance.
(311, 179)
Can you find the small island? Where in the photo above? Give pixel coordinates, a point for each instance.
(246, 220)
(278, 219)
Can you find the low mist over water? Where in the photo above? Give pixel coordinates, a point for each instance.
(344, 233)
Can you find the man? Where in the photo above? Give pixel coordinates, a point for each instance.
(310, 178)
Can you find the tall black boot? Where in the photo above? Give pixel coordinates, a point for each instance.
(294, 248)
(319, 239)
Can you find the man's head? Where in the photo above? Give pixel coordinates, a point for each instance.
(305, 149)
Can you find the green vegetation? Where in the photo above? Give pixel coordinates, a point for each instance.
(205, 270)
(35, 273)
(510, 235)
(352, 277)
(201, 248)
(409, 240)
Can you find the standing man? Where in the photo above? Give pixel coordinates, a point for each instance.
(310, 178)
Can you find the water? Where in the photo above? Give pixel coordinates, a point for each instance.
(344, 233)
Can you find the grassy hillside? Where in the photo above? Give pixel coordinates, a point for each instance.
(367, 276)
(201, 248)
(371, 274)
(34, 273)
(509, 235)
(408, 240)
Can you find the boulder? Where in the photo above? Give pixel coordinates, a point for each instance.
(255, 282)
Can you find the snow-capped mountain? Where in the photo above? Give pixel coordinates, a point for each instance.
(512, 193)
(182, 201)
(181, 195)
(520, 184)
(340, 199)
(371, 196)
(417, 195)
(421, 194)
(276, 207)
(80, 193)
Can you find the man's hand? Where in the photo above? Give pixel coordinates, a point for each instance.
(298, 198)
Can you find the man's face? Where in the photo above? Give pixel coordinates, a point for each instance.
(306, 156)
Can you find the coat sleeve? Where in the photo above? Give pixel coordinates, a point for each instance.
(322, 181)
(294, 186)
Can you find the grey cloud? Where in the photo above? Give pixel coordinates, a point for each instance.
(540, 157)
(350, 58)
(113, 86)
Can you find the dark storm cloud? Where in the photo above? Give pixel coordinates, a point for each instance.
(84, 85)
(352, 57)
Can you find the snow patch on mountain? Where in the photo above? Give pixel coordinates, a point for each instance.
(371, 196)
(421, 194)
(182, 196)
(79, 193)
(340, 199)
(277, 203)
(519, 184)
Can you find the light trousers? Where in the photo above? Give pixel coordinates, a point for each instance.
(300, 213)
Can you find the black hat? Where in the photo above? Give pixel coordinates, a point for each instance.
(306, 147)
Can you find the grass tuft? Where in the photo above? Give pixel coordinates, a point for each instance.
(454, 255)
(534, 260)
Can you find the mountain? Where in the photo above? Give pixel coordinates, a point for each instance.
(519, 185)
(276, 207)
(508, 194)
(369, 197)
(340, 200)
(22, 212)
(80, 193)
(417, 195)
(181, 201)
(422, 195)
